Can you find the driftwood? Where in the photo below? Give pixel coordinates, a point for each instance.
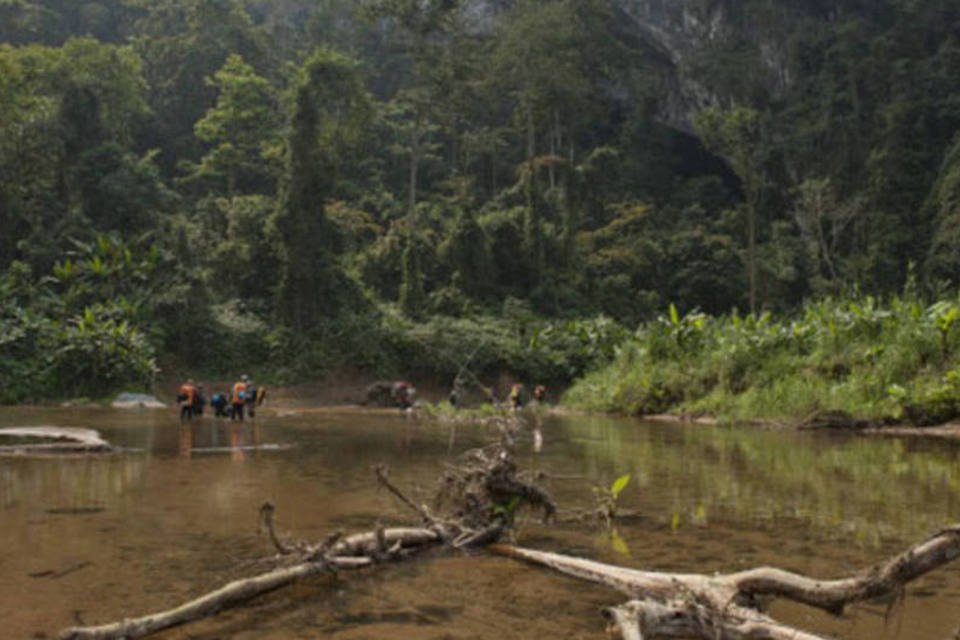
(355, 552)
(482, 496)
(726, 606)
(475, 508)
(62, 440)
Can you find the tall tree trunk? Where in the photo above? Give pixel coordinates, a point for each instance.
(414, 170)
(532, 231)
(753, 202)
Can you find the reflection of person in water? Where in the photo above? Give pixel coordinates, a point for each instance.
(537, 433)
(237, 454)
(244, 438)
(185, 445)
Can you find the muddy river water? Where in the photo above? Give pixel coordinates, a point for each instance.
(96, 538)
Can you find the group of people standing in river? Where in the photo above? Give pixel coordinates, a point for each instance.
(517, 398)
(244, 397)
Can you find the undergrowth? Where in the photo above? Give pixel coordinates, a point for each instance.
(862, 358)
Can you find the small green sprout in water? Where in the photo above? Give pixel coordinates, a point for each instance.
(619, 485)
(507, 510)
(607, 499)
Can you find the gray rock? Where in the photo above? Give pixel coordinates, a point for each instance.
(137, 401)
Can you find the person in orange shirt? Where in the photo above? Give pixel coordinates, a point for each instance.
(187, 397)
(239, 398)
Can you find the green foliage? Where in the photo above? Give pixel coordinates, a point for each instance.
(533, 350)
(95, 353)
(331, 109)
(541, 151)
(855, 357)
(78, 336)
(412, 297)
(242, 131)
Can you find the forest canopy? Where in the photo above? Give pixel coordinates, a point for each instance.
(392, 184)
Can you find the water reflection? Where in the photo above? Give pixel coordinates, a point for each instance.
(871, 488)
(180, 515)
(67, 483)
(239, 440)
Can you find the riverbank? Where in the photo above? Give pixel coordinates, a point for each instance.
(856, 364)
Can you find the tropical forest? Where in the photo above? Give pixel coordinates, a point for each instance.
(729, 221)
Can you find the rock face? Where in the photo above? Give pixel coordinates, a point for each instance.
(691, 42)
(696, 46)
(690, 35)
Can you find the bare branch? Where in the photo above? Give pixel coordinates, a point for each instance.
(225, 597)
(834, 595)
(382, 472)
(267, 515)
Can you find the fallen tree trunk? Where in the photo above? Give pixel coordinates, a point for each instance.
(354, 552)
(223, 598)
(725, 606)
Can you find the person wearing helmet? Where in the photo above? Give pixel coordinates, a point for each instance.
(239, 398)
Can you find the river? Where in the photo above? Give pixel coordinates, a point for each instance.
(96, 538)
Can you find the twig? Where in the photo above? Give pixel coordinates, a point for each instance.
(382, 471)
(267, 513)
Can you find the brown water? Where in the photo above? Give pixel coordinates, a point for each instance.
(97, 538)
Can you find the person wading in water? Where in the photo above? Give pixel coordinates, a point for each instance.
(187, 397)
(239, 398)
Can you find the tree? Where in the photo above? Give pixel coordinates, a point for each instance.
(468, 255)
(549, 61)
(410, 119)
(182, 43)
(413, 298)
(943, 261)
(330, 110)
(63, 104)
(243, 260)
(242, 130)
(824, 225)
(738, 135)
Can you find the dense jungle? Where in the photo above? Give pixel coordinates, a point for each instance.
(764, 192)
(715, 215)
